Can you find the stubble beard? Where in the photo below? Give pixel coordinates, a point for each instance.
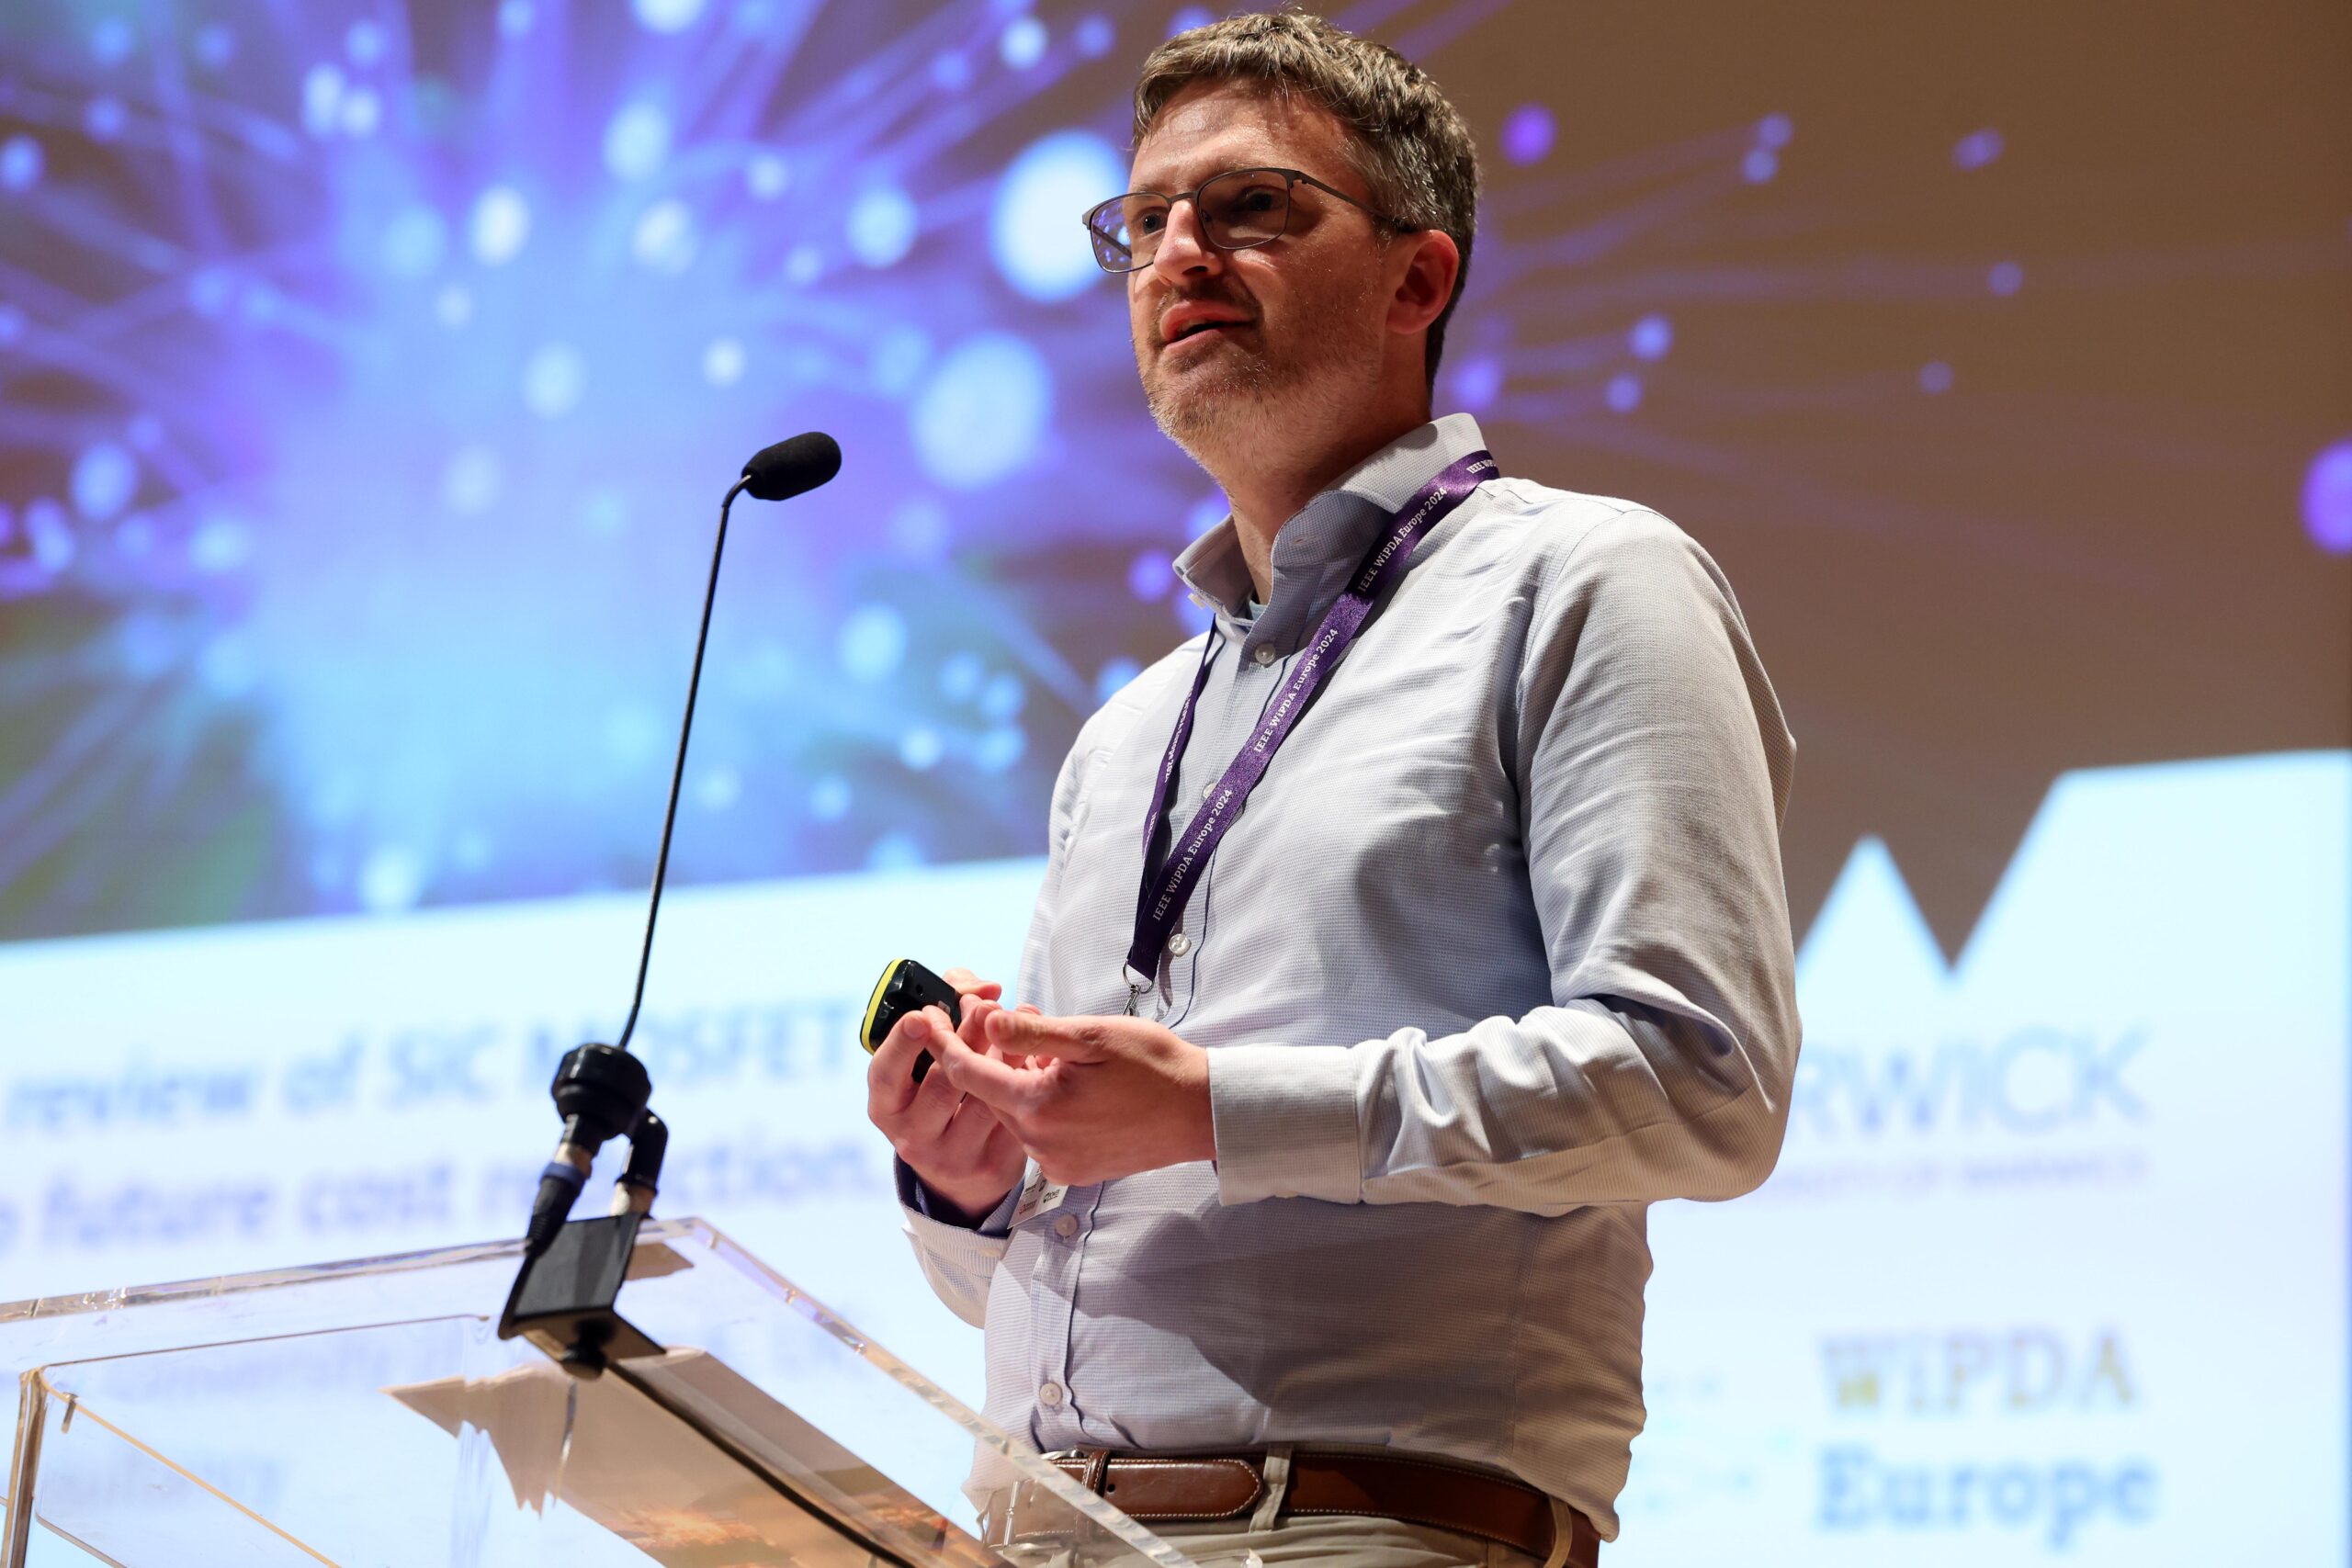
(1228, 410)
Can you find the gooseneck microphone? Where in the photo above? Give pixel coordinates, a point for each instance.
(789, 468)
(601, 1091)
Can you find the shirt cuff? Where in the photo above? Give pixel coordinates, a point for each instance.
(920, 1201)
(1285, 1122)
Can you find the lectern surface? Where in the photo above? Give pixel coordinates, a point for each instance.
(367, 1413)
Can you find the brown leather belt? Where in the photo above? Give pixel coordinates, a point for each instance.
(1438, 1492)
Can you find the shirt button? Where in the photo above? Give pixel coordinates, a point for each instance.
(1208, 789)
(1067, 1226)
(1265, 654)
(1180, 945)
(1050, 1396)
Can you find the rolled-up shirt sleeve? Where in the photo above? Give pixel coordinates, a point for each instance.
(956, 1259)
(1652, 764)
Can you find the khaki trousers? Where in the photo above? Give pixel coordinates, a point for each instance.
(1336, 1541)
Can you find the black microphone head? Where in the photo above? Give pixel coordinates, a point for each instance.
(793, 468)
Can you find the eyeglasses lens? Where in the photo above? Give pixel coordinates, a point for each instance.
(1238, 210)
(1244, 208)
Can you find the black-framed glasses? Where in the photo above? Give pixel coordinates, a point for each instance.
(1239, 208)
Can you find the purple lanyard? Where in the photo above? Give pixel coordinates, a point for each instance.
(1168, 885)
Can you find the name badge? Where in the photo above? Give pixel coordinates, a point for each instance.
(1037, 1196)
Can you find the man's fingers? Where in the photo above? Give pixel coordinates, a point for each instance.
(889, 1077)
(973, 1030)
(1034, 1035)
(1004, 1088)
(892, 1093)
(968, 984)
(967, 1131)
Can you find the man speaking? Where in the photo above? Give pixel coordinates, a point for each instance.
(1403, 937)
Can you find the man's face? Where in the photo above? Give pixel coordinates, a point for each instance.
(1305, 351)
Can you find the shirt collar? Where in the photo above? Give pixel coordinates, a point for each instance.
(1319, 549)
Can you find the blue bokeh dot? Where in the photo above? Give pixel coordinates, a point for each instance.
(1034, 234)
(828, 798)
(959, 677)
(1149, 577)
(1528, 134)
(110, 41)
(1976, 149)
(1022, 44)
(1935, 377)
(105, 477)
(717, 787)
(499, 225)
(363, 42)
(1112, 678)
(49, 531)
(1003, 696)
(2327, 498)
(872, 642)
(894, 852)
(211, 291)
(2005, 278)
(1624, 392)
(665, 239)
(1651, 337)
(20, 162)
(920, 748)
(882, 225)
(637, 141)
(555, 377)
(1000, 748)
(220, 544)
(393, 879)
(984, 412)
(1094, 37)
(767, 175)
(1477, 382)
(668, 15)
(321, 96)
(104, 119)
(1187, 18)
(415, 241)
(1760, 165)
(1774, 132)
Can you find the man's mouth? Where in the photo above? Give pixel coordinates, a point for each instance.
(1188, 325)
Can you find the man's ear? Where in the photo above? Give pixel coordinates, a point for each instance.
(1424, 266)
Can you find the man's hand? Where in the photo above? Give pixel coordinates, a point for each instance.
(1091, 1099)
(961, 1151)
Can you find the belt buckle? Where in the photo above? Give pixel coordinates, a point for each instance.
(1002, 1528)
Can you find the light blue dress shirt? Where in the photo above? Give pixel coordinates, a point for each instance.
(1497, 955)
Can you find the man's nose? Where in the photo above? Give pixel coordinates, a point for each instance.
(1184, 250)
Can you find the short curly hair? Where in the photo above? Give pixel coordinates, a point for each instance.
(1405, 139)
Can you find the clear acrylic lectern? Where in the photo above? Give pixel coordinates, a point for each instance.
(366, 1413)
